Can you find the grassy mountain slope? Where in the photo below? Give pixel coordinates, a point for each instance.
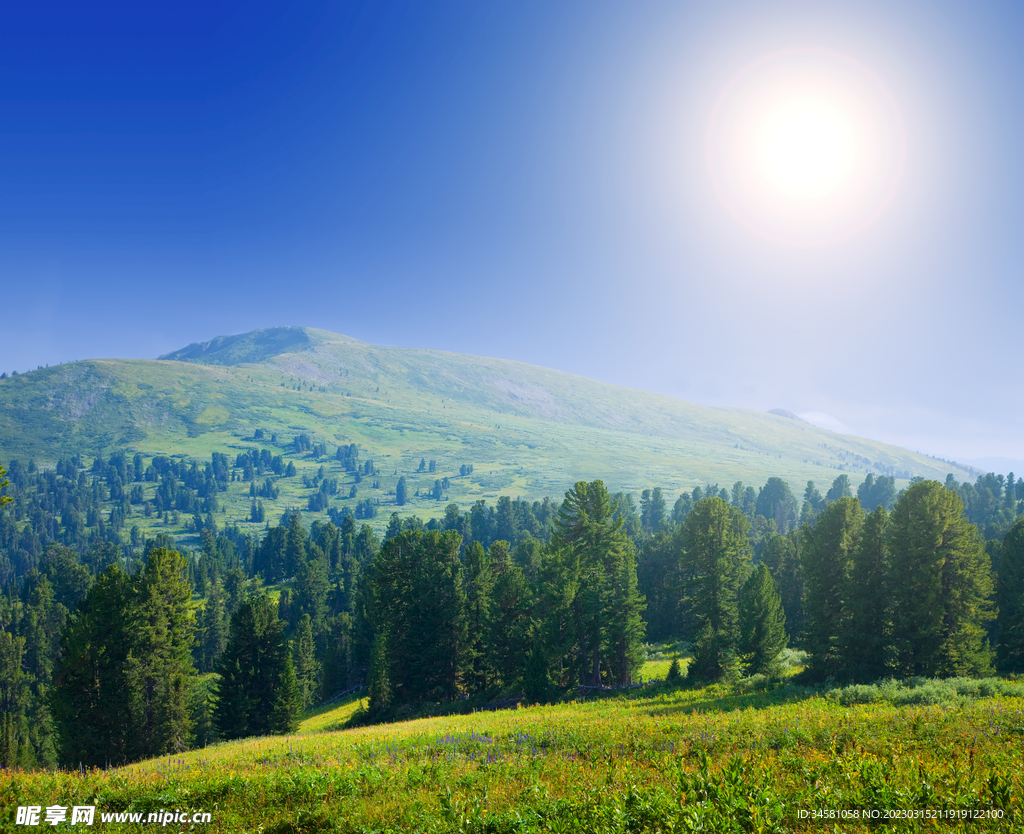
(527, 430)
(744, 758)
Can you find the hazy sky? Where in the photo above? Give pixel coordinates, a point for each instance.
(547, 182)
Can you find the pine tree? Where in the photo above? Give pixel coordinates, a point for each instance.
(214, 628)
(379, 687)
(420, 603)
(940, 585)
(716, 554)
(826, 551)
(255, 696)
(1010, 599)
(312, 587)
(401, 492)
(776, 503)
(780, 555)
(675, 672)
(287, 706)
(307, 667)
(294, 545)
(510, 624)
(598, 579)
(840, 489)
(91, 702)
(862, 641)
(478, 582)
(762, 624)
(164, 633)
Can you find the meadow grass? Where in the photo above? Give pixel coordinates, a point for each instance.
(748, 757)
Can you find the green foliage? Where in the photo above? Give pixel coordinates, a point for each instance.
(825, 555)
(1010, 601)
(863, 637)
(595, 577)
(776, 503)
(125, 670)
(420, 603)
(716, 556)
(257, 693)
(940, 584)
(762, 624)
(779, 554)
(307, 667)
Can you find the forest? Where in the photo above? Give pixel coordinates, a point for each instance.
(117, 647)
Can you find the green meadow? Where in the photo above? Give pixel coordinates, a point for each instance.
(752, 757)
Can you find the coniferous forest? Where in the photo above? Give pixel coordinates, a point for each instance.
(116, 648)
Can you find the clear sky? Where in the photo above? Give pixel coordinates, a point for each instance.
(558, 183)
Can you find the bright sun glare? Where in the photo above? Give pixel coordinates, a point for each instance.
(805, 147)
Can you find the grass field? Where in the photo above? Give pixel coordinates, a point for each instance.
(750, 757)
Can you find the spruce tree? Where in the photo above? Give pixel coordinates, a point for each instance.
(780, 555)
(762, 624)
(91, 703)
(597, 577)
(862, 640)
(254, 674)
(826, 551)
(419, 601)
(940, 585)
(716, 555)
(163, 670)
(478, 582)
(1010, 599)
(307, 667)
(379, 686)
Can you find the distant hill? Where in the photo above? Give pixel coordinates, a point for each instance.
(527, 431)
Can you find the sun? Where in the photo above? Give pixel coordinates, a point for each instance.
(805, 147)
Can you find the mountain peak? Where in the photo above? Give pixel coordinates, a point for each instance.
(244, 348)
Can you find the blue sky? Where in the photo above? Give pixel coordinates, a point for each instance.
(523, 180)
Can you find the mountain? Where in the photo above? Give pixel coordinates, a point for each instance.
(526, 430)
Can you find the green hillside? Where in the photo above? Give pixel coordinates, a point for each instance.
(527, 431)
(753, 757)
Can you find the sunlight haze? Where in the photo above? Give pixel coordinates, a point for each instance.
(805, 206)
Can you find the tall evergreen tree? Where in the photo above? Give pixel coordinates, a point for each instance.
(478, 582)
(779, 554)
(776, 503)
(762, 624)
(91, 702)
(307, 667)
(294, 545)
(256, 695)
(826, 551)
(840, 489)
(161, 669)
(420, 604)
(940, 585)
(716, 555)
(863, 634)
(1010, 599)
(213, 632)
(598, 579)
